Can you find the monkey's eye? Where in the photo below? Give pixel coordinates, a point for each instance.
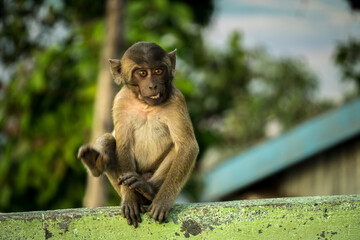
(142, 73)
(158, 71)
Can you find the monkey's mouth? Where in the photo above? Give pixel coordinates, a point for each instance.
(155, 97)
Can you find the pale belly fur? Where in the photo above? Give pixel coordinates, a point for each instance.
(149, 152)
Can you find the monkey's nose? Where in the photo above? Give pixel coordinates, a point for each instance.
(153, 86)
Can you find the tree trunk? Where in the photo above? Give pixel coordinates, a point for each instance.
(96, 190)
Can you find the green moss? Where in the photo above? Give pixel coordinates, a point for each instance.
(332, 217)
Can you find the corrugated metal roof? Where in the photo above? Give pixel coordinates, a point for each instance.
(297, 144)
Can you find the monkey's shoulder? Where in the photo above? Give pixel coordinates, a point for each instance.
(177, 95)
(176, 103)
(125, 102)
(123, 97)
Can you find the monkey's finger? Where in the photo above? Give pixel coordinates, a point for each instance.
(127, 214)
(137, 186)
(132, 216)
(122, 178)
(161, 216)
(134, 223)
(119, 182)
(128, 176)
(129, 222)
(122, 211)
(154, 213)
(137, 214)
(167, 214)
(131, 181)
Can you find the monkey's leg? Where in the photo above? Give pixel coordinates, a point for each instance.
(102, 158)
(96, 158)
(134, 181)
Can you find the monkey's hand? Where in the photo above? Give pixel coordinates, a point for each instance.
(94, 160)
(135, 181)
(131, 207)
(159, 210)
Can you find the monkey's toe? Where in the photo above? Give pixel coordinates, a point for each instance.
(82, 151)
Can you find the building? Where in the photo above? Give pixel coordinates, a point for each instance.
(318, 157)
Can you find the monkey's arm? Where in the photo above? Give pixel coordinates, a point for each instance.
(186, 150)
(131, 201)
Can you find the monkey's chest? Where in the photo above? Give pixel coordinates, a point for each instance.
(151, 140)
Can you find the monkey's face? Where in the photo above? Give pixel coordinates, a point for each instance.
(152, 84)
(148, 70)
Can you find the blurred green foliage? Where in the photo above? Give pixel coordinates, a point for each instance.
(46, 107)
(347, 58)
(45, 114)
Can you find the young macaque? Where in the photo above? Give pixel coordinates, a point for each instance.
(153, 149)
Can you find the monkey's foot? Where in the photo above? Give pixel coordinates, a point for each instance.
(135, 181)
(93, 159)
(159, 211)
(131, 208)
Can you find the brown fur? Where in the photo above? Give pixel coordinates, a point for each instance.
(155, 143)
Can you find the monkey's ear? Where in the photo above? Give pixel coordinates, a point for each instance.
(115, 69)
(172, 56)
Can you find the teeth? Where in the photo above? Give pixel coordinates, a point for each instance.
(156, 96)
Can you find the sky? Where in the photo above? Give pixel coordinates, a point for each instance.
(307, 29)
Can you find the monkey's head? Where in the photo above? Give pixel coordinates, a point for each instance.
(148, 70)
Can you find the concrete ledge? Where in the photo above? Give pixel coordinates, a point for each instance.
(331, 217)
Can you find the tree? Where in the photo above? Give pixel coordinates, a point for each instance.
(96, 194)
(347, 57)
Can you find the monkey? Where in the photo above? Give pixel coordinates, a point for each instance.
(153, 148)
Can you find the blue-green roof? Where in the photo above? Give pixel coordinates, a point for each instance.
(296, 145)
